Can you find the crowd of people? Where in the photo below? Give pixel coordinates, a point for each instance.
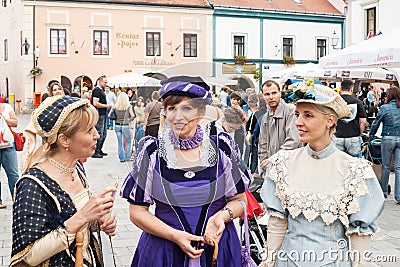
(196, 155)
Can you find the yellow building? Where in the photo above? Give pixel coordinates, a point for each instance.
(74, 42)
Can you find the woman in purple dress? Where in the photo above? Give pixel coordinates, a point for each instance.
(193, 179)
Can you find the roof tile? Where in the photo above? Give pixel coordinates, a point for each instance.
(312, 6)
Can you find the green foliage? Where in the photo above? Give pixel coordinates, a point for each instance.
(257, 74)
(288, 60)
(240, 60)
(36, 71)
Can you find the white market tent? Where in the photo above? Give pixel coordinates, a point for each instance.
(366, 73)
(294, 71)
(311, 70)
(379, 51)
(131, 79)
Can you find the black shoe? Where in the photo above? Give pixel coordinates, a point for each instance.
(103, 154)
(97, 156)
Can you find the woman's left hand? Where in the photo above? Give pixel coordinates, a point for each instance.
(215, 227)
(109, 226)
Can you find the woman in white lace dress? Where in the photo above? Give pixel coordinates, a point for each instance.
(322, 202)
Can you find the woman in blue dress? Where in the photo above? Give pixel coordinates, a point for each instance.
(322, 202)
(193, 180)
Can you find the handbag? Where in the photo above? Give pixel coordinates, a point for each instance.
(249, 138)
(19, 140)
(376, 167)
(6, 137)
(247, 261)
(112, 115)
(249, 135)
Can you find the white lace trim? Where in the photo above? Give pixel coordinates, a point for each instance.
(208, 154)
(329, 207)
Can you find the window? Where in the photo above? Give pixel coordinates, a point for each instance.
(190, 45)
(321, 48)
(371, 21)
(58, 41)
(238, 45)
(287, 47)
(153, 44)
(100, 43)
(5, 50)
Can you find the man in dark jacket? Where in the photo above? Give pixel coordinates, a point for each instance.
(100, 102)
(348, 134)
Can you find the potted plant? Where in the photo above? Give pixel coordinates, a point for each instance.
(288, 60)
(240, 60)
(36, 71)
(257, 74)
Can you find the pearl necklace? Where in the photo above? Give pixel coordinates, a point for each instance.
(63, 168)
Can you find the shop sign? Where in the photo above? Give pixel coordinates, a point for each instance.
(152, 62)
(127, 40)
(234, 68)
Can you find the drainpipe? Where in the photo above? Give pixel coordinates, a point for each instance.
(33, 53)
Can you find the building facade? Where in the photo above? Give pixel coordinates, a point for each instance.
(366, 18)
(74, 42)
(273, 35)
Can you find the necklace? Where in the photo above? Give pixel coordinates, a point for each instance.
(63, 168)
(190, 143)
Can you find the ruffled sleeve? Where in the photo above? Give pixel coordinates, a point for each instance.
(371, 206)
(268, 190)
(137, 186)
(236, 175)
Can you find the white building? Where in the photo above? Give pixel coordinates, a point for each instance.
(266, 31)
(365, 17)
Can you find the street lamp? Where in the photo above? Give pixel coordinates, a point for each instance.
(35, 63)
(334, 40)
(37, 55)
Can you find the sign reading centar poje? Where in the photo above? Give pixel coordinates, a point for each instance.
(127, 40)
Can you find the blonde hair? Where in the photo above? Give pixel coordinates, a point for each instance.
(81, 118)
(122, 102)
(327, 111)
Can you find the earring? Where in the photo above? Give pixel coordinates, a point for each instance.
(327, 127)
(66, 148)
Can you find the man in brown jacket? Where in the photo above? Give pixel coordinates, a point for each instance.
(277, 128)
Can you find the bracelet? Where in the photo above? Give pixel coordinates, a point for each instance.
(230, 213)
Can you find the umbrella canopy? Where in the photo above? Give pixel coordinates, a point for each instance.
(367, 73)
(382, 50)
(297, 70)
(131, 79)
(311, 70)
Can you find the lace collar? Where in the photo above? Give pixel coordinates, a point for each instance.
(208, 154)
(329, 207)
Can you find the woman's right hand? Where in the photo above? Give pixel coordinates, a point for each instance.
(98, 205)
(184, 241)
